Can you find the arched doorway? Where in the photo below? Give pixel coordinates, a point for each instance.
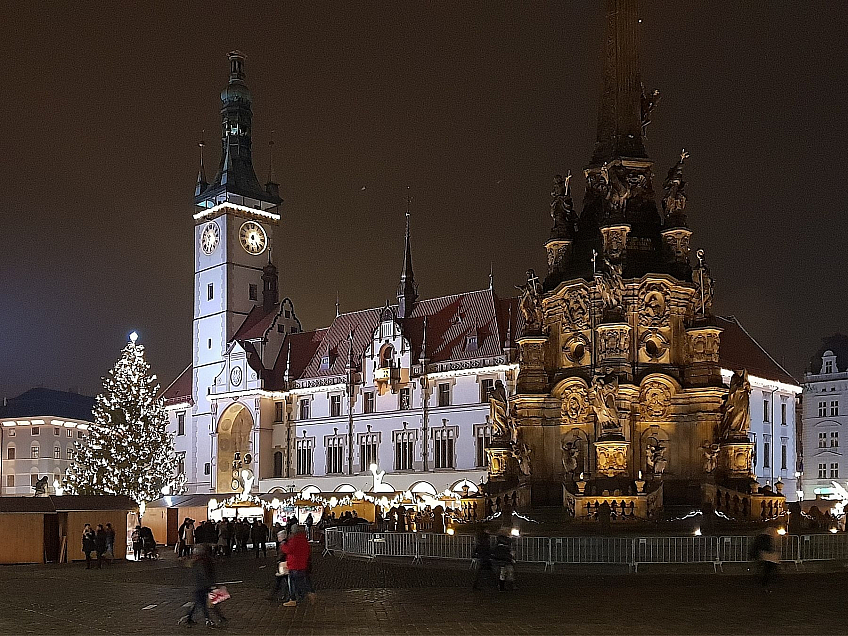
(234, 427)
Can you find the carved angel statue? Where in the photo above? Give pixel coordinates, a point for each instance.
(603, 396)
(562, 208)
(710, 456)
(648, 103)
(531, 303)
(703, 286)
(522, 453)
(610, 285)
(498, 411)
(570, 455)
(656, 459)
(674, 200)
(616, 187)
(736, 410)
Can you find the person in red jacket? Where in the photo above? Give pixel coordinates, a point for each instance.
(298, 555)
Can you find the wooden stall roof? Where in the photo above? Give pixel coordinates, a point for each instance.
(66, 503)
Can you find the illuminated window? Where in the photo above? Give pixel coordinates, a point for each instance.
(33, 451)
(57, 452)
(70, 432)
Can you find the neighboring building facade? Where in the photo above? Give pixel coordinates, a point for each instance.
(37, 436)
(825, 417)
(402, 387)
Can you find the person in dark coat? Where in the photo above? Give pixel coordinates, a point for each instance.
(204, 580)
(259, 538)
(110, 541)
(100, 542)
(482, 558)
(503, 559)
(89, 544)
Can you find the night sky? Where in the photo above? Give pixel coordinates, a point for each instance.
(474, 106)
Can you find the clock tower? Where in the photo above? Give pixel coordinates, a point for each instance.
(235, 218)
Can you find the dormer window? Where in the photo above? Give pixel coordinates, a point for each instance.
(386, 356)
(471, 342)
(828, 366)
(325, 363)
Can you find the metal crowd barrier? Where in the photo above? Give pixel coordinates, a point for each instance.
(550, 551)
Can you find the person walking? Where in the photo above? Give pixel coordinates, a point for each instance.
(110, 543)
(259, 538)
(282, 587)
(204, 580)
(765, 551)
(309, 522)
(298, 555)
(89, 544)
(503, 559)
(189, 538)
(482, 558)
(100, 542)
(136, 543)
(181, 538)
(225, 533)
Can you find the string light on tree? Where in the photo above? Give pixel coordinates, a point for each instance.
(129, 452)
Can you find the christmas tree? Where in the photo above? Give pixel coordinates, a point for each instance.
(128, 451)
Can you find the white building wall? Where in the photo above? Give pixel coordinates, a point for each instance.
(825, 416)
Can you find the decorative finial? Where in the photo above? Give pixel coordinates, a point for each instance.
(337, 303)
(491, 275)
(202, 143)
(594, 261)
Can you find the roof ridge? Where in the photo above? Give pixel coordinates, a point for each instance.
(756, 342)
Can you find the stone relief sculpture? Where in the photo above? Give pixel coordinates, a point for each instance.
(710, 451)
(570, 456)
(498, 411)
(655, 400)
(656, 459)
(575, 310)
(573, 404)
(562, 208)
(603, 399)
(674, 199)
(615, 186)
(736, 410)
(522, 454)
(654, 309)
(531, 303)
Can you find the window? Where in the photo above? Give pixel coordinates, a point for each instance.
(335, 405)
(11, 432)
(33, 479)
(35, 430)
(443, 439)
(10, 481)
(253, 291)
(822, 471)
(210, 291)
(834, 408)
(822, 409)
(335, 454)
(471, 343)
(181, 423)
(80, 434)
(783, 456)
(783, 414)
(368, 443)
(181, 463)
(69, 452)
(325, 363)
(10, 452)
(209, 343)
(404, 399)
(207, 468)
(304, 456)
(404, 449)
(70, 432)
(822, 440)
(483, 435)
(766, 454)
(828, 366)
(834, 471)
(278, 464)
(293, 329)
(834, 439)
(766, 410)
(56, 432)
(444, 394)
(288, 313)
(485, 388)
(57, 452)
(278, 411)
(368, 405)
(33, 451)
(304, 409)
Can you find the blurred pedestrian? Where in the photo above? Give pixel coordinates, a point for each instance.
(204, 580)
(482, 558)
(100, 542)
(298, 554)
(89, 544)
(765, 551)
(259, 538)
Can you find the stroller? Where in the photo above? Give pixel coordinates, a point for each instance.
(148, 544)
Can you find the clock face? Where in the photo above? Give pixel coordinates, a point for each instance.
(235, 376)
(209, 237)
(253, 238)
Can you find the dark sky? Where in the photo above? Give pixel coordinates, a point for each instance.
(475, 106)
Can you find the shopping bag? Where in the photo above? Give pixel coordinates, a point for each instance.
(282, 569)
(218, 594)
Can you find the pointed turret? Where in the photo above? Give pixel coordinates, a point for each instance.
(407, 289)
(236, 177)
(202, 184)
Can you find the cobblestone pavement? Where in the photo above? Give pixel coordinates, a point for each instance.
(362, 597)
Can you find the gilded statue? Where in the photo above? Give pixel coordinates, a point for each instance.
(570, 455)
(522, 453)
(656, 459)
(610, 285)
(674, 200)
(703, 286)
(604, 393)
(736, 410)
(531, 303)
(710, 451)
(498, 411)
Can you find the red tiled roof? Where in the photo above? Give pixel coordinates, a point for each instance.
(450, 320)
(256, 323)
(740, 351)
(303, 346)
(179, 390)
